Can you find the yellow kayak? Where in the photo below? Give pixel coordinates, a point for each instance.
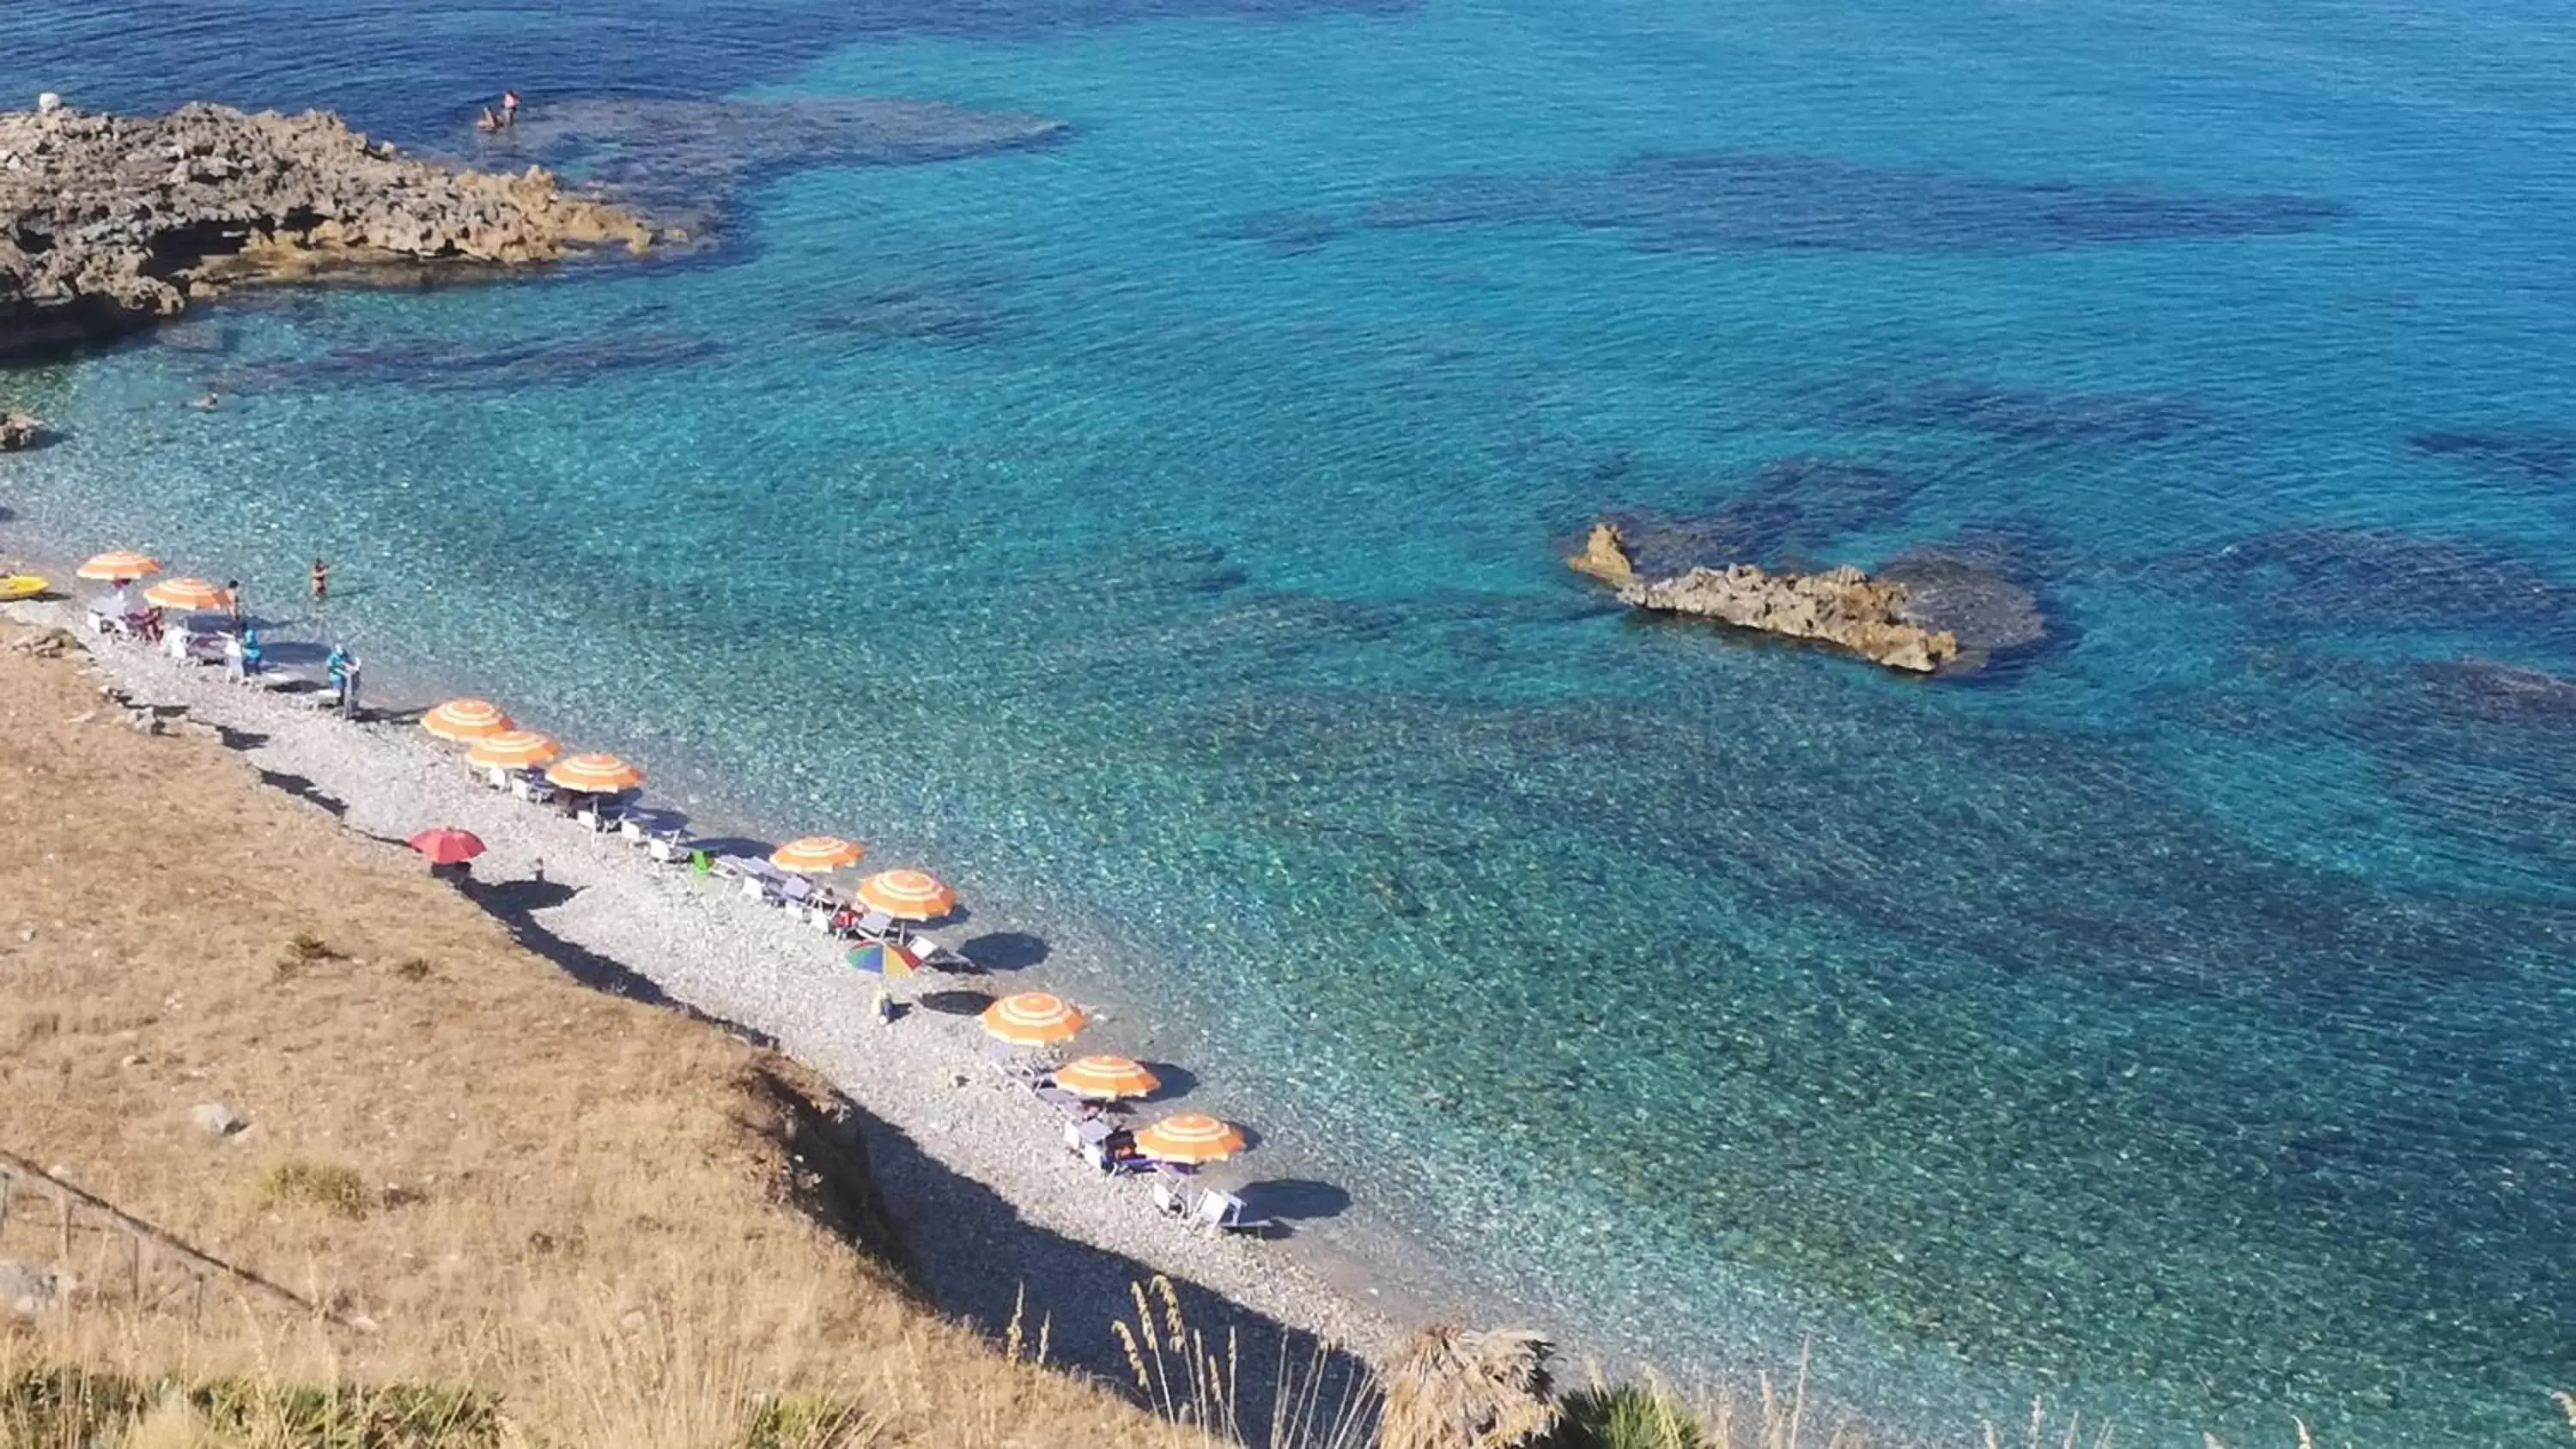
(22, 586)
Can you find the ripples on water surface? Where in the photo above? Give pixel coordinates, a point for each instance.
(1158, 525)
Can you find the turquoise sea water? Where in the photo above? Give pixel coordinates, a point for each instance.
(1158, 528)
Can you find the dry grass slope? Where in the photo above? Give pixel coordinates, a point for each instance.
(599, 1217)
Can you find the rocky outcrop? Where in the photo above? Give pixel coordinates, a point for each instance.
(1842, 607)
(1605, 556)
(112, 222)
(19, 431)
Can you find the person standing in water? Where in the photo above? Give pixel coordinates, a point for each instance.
(233, 603)
(321, 582)
(509, 109)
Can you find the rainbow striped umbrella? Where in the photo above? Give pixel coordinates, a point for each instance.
(882, 958)
(594, 774)
(817, 854)
(1033, 1018)
(908, 895)
(466, 719)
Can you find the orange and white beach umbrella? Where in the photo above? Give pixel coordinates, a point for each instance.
(189, 594)
(466, 719)
(908, 895)
(1033, 1018)
(513, 750)
(1190, 1137)
(817, 854)
(120, 566)
(1106, 1079)
(594, 774)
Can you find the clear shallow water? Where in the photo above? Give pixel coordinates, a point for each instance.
(1154, 530)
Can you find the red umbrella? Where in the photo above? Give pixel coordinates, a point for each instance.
(447, 845)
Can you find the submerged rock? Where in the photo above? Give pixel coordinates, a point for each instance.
(433, 366)
(2488, 689)
(1962, 591)
(1288, 233)
(109, 223)
(2541, 454)
(1785, 512)
(685, 160)
(1842, 606)
(1734, 201)
(2021, 416)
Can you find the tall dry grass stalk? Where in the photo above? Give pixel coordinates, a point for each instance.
(1323, 1399)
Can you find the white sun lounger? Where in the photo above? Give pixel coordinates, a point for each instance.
(1223, 1212)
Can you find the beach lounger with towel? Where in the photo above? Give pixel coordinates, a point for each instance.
(932, 954)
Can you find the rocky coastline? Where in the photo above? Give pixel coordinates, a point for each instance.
(1841, 607)
(109, 224)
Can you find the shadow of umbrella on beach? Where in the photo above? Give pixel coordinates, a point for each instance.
(955, 1003)
(1175, 1081)
(1004, 951)
(1294, 1199)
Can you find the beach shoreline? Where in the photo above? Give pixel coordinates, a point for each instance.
(928, 1078)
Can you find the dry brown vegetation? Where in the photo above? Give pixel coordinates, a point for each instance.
(599, 1217)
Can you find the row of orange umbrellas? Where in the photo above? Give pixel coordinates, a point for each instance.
(493, 739)
(1040, 1018)
(124, 566)
(1025, 1019)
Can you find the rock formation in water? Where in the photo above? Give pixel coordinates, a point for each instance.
(1842, 607)
(2500, 693)
(684, 161)
(108, 223)
(1962, 587)
(19, 431)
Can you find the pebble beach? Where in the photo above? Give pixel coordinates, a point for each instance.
(1046, 1238)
